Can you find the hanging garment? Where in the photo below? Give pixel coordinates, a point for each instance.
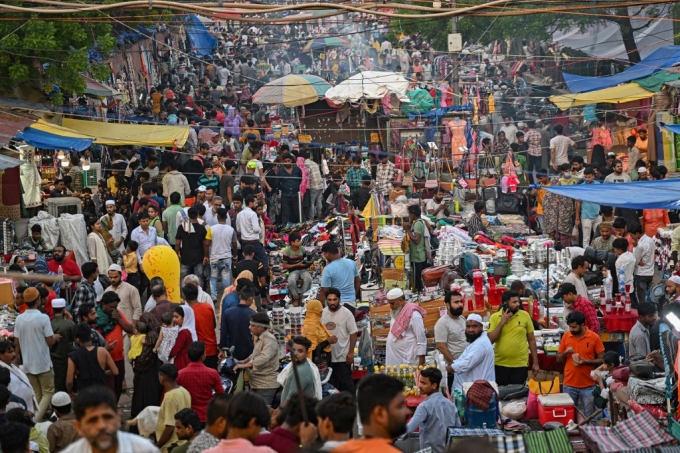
(457, 131)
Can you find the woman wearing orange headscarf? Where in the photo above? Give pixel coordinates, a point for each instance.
(317, 333)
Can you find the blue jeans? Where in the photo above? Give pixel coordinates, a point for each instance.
(586, 397)
(221, 268)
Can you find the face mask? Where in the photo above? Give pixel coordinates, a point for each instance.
(566, 175)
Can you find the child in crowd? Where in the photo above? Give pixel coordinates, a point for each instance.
(602, 376)
(137, 341)
(130, 264)
(166, 340)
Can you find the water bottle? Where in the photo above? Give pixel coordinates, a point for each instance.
(622, 281)
(60, 272)
(608, 287)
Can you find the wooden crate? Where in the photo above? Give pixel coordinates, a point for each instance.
(393, 274)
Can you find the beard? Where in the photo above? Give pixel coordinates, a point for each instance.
(456, 311)
(471, 337)
(104, 439)
(333, 307)
(396, 427)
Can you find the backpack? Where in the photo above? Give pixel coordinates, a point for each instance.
(468, 263)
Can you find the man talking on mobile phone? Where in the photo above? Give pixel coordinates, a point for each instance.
(512, 333)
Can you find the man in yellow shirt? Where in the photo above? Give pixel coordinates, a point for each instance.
(512, 334)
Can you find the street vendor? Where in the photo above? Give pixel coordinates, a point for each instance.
(406, 342)
(35, 240)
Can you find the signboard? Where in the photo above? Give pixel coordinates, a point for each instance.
(302, 138)
(455, 42)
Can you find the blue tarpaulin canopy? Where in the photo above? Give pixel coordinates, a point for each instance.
(663, 58)
(202, 42)
(634, 195)
(45, 140)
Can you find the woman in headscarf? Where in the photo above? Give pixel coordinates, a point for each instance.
(183, 316)
(148, 389)
(502, 144)
(317, 333)
(96, 246)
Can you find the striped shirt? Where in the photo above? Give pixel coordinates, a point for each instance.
(533, 139)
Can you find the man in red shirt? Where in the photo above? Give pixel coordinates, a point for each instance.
(286, 438)
(111, 324)
(205, 323)
(71, 270)
(199, 380)
(575, 302)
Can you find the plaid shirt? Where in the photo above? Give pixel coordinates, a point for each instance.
(586, 307)
(384, 174)
(158, 180)
(533, 139)
(200, 381)
(76, 174)
(353, 177)
(315, 179)
(475, 225)
(85, 294)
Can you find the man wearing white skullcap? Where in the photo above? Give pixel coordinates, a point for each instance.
(59, 351)
(673, 288)
(406, 342)
(115, 224)
(477, 361)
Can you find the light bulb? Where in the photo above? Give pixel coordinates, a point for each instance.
(61, 155)
(64, 163)
(86, 165)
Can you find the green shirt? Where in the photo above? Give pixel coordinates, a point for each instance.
(306, 383)
(418, 252)
(182, 448)
(61, 349)
(170, 216)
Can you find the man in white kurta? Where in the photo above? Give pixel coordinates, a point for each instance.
(115, 224)
(477, 361)
(406, 342)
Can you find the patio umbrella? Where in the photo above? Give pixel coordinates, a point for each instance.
(292, 90)
(369, 85)
(323, 43)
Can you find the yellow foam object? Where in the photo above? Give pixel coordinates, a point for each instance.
(161, 261)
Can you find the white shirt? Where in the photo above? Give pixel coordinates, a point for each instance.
(411, 344)
(432, 205)
(579, 283)
(119, 228)
(561, 145)
(644, 252)
(32, 328)
(510, 132)
(126, 443)
(340, 323)
(222, 237)
(475, 363)
(248, 225)
(626, 262)
(146, 240)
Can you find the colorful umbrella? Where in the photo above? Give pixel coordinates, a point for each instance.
(292, 90)
(322, 43)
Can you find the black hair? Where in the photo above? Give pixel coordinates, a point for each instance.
(588, 171)
(507, 295)
(88, 269)
(577, 159)
(142, 214)
(559, 129)
(190, 292)
(166, 317)
(189, 417)
(577, 262)
(611, 358)
(4, 396)
(376, 390)
(108, 297)
(433, 374)
(292, 411)
(646, 308)
(247, 293)
(479, 206)
(415, 210)
(330, 247)
(217, 408)
(168, 371)
(565, 167)
(616, 162)
(294, 236)
(302, 341)
(576, 317)
(134, 245)
(93, 396)
(449, 295)
(84, 310)
(83, 332)
(621, 244)
(175, 198)
(636, 228)
(517, 285)
(36, 228)
(619, 222)
(340, 408)
(196, 350)
(607, 210)
(244, 407)
(5, 377)
(260, 318)
(14, 437)
(334, 291)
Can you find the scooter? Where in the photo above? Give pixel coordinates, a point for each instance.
(225, 368)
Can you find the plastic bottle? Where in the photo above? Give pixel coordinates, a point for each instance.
(478, 280)
(60, 272)
(627, 304)
(608, 287)
(622, 281)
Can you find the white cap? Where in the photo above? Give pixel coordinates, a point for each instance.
(61, 399)
(395, 293)
(200, 189)
(110, 202)
(59, 303)
(474, 317)
(115, 267)
(675, 279)
(642, 169)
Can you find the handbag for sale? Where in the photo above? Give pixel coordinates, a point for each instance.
(407, 180)
(544, 383)
(507, 204)
(488, 182)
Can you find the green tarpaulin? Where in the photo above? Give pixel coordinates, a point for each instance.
(655, 81)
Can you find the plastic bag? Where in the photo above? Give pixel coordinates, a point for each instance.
(514, 410)
(574, 235)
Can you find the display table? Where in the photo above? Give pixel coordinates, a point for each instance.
(547, 362)
(414, 401)
(620, 323)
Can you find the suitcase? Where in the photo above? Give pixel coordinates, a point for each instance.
(432, 275)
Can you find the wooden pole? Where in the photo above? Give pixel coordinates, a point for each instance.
(31, 277)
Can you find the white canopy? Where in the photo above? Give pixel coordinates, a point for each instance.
(369, 85)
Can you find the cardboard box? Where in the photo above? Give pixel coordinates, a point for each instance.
(6, 292)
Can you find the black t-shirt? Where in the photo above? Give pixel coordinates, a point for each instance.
(191, 252)
(360, 197)
(254, 267)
